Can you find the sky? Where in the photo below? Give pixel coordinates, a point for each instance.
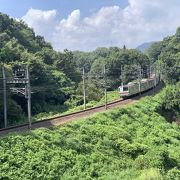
(85, 25)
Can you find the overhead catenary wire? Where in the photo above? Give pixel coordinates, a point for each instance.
(49, 76)
(49, 73)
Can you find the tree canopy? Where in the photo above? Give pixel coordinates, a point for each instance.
(167, 55)
(49, 70)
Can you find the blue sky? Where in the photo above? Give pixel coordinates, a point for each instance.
(18, 8)
(88, 24)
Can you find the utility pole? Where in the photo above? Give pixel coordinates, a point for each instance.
(140, 80)
(121, 75)
(28, 86)
(5, 97)
(150, 70)
(160, 73)
(84, 89)
(155, 76)
(105, 86)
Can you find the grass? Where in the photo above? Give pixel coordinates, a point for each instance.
(111, 96)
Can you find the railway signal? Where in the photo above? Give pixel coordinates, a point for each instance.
(21, 77)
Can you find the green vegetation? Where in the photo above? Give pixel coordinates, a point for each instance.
(170, 102)
(118, 61)
(135, 142)
(56, 77)
(140, 141)
(51, 80)
(61, 110)
(167, 54)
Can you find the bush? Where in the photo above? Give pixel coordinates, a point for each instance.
(151, 174)
(173, 174)
(135, 142)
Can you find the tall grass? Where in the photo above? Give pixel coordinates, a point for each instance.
(54, 111)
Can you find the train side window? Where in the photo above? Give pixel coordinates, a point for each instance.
(125, 88)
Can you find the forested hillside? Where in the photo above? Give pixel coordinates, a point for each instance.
(51, 81)
(118, 62)
(143, 47)
(167, 52)
(56, 77)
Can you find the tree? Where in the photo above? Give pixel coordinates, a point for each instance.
(169, 58)
(47, 55)
(119, 63)
(66, 64)
(19, 46)
(154, 51)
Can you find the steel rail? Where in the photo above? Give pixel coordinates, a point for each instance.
(62, 119)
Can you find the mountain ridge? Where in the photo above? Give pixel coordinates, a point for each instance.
(144, 46)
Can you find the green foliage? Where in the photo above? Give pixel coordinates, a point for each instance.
(111, 96)
(15, 114)
(56, 76)
(53, 75)
(155, 50)
(167, 54)
(66, 64)
(83, 58)
(173, 174)
(135, 142)
(121, 65)
(170, 102)
(151, 174)
(73, 105)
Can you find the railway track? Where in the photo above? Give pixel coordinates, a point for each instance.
(76, 115)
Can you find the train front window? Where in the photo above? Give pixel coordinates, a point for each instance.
(125, 88)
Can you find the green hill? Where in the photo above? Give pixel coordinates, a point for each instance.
(135, 142)
(143, 47)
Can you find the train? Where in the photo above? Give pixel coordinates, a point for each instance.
(138, 87)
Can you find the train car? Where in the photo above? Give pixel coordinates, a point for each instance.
(134, 88)
(129, 89)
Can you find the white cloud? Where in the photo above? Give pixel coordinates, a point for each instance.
(141, 21)
(71, 22)
(43, 22)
